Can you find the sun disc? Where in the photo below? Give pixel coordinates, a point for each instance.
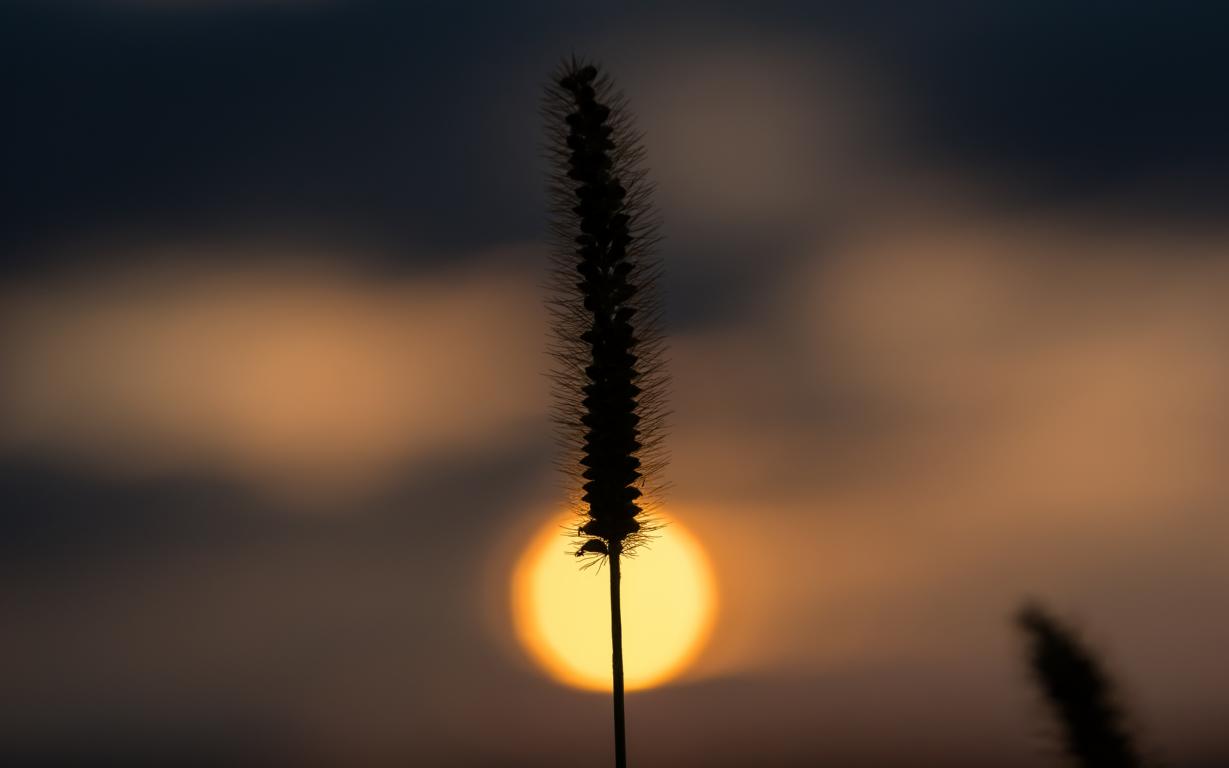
(562, 613)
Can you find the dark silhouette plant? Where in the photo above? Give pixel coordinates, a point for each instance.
(609, 377)
(1079, 692)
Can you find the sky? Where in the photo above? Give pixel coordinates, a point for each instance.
(945, 307)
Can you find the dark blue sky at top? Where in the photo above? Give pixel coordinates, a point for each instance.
(414, 127)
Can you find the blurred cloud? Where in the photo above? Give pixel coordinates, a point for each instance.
(758, 134)
(307, 377)
(955, 410)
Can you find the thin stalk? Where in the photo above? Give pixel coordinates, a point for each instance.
(616, 659)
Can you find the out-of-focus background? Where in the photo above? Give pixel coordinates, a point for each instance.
(947, 291)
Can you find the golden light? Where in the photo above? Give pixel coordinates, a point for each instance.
(562, 613)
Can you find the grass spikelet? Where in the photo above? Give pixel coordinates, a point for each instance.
(608, 373)
(1079, 692)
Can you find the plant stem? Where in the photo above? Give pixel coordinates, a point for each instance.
(616, 641)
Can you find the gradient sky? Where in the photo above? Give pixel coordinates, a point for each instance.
(946, 298)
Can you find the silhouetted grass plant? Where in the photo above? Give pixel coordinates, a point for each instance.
(609, 377)
(1079, 691)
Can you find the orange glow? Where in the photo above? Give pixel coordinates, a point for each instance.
(562, 613)
(312, 380)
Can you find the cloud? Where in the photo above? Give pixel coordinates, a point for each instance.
(949, 413)
(300, 376)
(756, 134)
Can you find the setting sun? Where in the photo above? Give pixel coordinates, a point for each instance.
(563, 613)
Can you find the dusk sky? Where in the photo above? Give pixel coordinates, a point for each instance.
(946, 292)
